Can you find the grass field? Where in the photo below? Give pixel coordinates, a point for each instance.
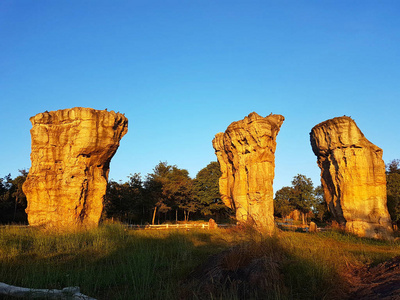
(114, 263)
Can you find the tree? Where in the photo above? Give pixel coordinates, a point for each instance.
(169, 187)
(137, 192)
(206, 192)
(283, 201)
(300, 196)
(393, 167)
(303, 195)
(393, 189)
(154, 188)
(5, 186)
(18, 194)
(179, 190)
(321, 211)
(124, 201)
(12, 198)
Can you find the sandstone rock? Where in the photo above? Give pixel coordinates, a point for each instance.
(246, 153)
(71, 154)
(295, 215)
(353, 177)
(313, 227)
(212, 224)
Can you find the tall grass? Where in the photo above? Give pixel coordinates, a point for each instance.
(111, 262)
(320, 265)
(108, 263)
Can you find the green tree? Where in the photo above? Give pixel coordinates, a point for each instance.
(303, 195)
(154, 189)
(5, 194)
(125, 201)
(12, 199)
(178, 188)
(206, 192)
(393, 189)
(300, 196)
(393, 167)
(169, 187)
(321, 211)
(283, 202)
(141, 206)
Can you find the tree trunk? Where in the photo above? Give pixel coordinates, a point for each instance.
(15, 207)
(176, 215)
(302, 217)
(154, 215)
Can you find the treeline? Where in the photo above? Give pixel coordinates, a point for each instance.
(168, 194)
(12, 199)
(301, 200)
(393, 190)
(302, 197)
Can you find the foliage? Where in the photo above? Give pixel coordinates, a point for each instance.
(321, 211)
(283, 201)
(12, 199)
(393, 167)
(206, 192)
(167, 193)
(300, 196)
(393, 189)
(303, 193)
(169, 187)
(125, 201)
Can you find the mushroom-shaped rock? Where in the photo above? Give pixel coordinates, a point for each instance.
(353, 177)
(71, 154)
(246, 154)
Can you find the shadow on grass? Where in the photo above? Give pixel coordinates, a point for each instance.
(107, 263)
(114, 263)
(263, 268)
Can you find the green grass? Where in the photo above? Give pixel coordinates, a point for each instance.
(107, 263)
(113, 263)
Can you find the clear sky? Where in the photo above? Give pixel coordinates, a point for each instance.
(182, 71)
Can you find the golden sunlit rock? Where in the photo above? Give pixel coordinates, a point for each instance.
(71, 154)
(246, 153)
(353, 177)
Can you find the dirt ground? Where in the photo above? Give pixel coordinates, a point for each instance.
(258, 277)
(378, 282)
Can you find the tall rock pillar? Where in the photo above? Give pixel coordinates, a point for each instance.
(71, 154)
(353, 177)
(246, 154)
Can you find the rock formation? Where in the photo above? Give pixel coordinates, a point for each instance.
(71, 154)
(246, 153)
(353, 177)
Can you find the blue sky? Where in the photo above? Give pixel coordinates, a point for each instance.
(182, 71)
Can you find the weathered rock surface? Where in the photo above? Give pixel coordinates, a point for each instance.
(246, 153)
(71, 154)
(353, 177)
